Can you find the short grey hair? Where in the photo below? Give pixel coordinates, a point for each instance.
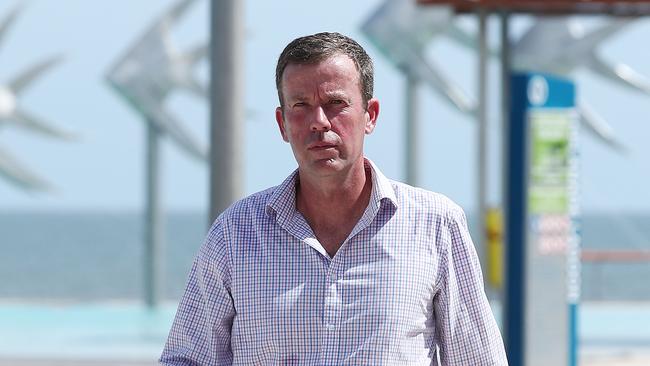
(321, 46)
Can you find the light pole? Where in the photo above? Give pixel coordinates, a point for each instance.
(226, 104)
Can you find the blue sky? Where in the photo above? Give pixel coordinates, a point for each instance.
(104, 169)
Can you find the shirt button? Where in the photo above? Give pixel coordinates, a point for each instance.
(333, 277)
(330, 327)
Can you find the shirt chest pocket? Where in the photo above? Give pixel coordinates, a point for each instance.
(393, 299)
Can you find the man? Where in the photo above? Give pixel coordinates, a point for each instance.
(337, 265)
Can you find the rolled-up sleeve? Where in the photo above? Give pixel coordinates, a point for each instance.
(200, 334)
(466, 332)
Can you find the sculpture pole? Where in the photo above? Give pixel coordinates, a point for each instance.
(482, 158)
(412, 130)
(153, 223)
(149, 71)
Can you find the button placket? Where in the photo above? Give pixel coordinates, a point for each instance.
(332, 303)
(331, 314)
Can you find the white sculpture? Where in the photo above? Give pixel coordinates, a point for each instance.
(560, 45)
(151, 69)
(11, 113)
(401, 30)
(13, 170)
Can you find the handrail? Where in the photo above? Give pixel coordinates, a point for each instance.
(608, 255)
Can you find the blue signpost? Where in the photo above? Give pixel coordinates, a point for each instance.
(542, 242)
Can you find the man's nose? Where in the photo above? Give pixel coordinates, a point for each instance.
(319, 121)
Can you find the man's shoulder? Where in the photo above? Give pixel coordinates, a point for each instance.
(420, 199)
(255, 203)
(242, 218)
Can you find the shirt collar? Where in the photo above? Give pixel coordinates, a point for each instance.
(382, 188)
(282, 202)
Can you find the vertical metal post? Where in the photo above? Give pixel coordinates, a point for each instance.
(482, 159)
(513, 196)
(153, 221)
(505, 110)
(226, 104)
(411, 146)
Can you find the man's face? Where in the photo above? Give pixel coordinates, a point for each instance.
(323, 117)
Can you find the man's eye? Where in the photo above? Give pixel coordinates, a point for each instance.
(336, 101)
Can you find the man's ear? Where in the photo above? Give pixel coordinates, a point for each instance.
(279, 117)
(372, 112)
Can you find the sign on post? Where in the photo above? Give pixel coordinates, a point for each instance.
(542, 252)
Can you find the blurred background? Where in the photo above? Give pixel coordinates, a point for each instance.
(71, 246)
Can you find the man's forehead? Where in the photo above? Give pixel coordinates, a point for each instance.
(332, 70)
(337, 63)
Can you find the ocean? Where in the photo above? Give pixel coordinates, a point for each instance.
(97, 256)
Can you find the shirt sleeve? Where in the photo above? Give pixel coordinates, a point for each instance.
(466, 332)
(200, 334)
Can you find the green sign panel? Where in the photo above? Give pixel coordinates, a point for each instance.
(550, 157)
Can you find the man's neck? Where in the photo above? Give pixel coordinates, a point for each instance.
(333, 205)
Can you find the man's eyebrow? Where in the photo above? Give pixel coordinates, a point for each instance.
(337, 94)
(296, 97)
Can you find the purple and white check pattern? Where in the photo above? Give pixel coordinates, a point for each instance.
(405, 288)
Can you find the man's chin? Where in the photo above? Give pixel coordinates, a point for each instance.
(326, 166)
(332, 163)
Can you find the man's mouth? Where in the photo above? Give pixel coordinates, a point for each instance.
(321, 146)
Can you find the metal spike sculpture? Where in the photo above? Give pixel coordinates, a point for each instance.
(401, 30)
(151, 69)
(145, 76)
(13, 171)
(11, 113)
(538, 50)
